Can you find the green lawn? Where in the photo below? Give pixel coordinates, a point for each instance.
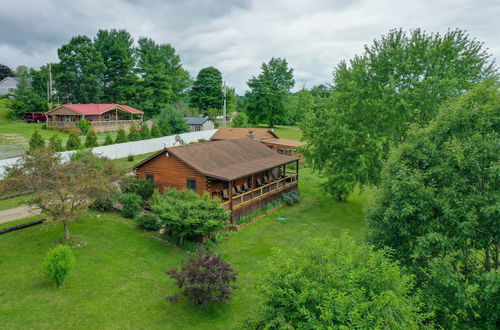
(13, 202)
(286, 132)
(118, 281)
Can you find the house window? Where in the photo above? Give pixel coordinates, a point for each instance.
(197, 128)
(150, 177)
(280, 151)
(191, 184)
(11, 90)
(106, 117)
(288, 152)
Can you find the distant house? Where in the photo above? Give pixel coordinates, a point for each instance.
(243, 173)
(8, 85)
(103, 117)
(263, 135)
(197, 124)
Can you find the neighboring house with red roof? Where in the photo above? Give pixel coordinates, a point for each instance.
(103, 117)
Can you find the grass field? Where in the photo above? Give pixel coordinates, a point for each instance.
(119, 281)
(286, 132)
(13, 202)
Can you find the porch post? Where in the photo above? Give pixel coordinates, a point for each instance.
(231, 201)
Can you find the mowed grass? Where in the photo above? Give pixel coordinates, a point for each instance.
(14, 202)
(285, 132)
(119, 281)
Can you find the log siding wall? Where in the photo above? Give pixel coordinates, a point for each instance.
(172, 173)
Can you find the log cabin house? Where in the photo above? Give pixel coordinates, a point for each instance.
(264, 135)
(243, 173)
(103, 117)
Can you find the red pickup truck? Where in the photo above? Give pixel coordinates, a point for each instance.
(35, 117)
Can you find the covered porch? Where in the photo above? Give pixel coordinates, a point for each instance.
(245, 195)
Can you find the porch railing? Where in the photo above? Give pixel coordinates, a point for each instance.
(261, 192)
(104, 123)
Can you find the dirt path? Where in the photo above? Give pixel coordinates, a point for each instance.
(17, 213)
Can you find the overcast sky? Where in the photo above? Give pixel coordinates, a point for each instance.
(237, 36)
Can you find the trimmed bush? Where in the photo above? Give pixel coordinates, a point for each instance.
(73, 142)
(91, 139)
(58, 263)
(133, 134)
(291, 197)
(145, 133)
(36, 141)
(132, 205)
(108, 140)
(130, 158)
(155, 131)
(121, 137)
(55, 143)
(148, 221)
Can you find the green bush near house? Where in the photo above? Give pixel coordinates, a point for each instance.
(91, 139)
(132, 205)
(148, 222)
(73, 142)
(121, 136)
(108, 140)
(58, 263)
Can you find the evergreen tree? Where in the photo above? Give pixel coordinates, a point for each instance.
(79, 72)
(145, 133)
(155, 131)
(108, 140)
(73, 142)
(133, 134)
(206, 91)
(117, 51)
(164, 80)
(36, 141)
(56, 143)
(91, 139)
(121, 136)
(269, 92)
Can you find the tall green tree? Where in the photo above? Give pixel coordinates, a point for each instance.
(163, 79)
(172, 121)
(117, 52)
(402, 78)
(335, 284)
(26, 100)
(301, 103)
(78, 75)
(269, 92)
(438, 209)
(206, 91)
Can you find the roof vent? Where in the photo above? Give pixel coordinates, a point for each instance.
(251, 134)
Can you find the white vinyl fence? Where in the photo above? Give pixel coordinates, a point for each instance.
(121, 150)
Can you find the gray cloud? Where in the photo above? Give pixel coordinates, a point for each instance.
(237, 36)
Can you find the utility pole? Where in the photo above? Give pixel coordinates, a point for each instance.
(49, 96)
(224, 105)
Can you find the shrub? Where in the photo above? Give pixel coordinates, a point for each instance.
(105, 202)
(58, 264)
(145, 133)
(291, 197)
(84, 126)
(335, 284)
(204, 280)
(36, 141)
(202, 140)
(121, 137)
(155, 131)
(73, 142)
(148, 221)
(56, 143)
(132, 205)
(108, 140)
(130, 158)
(141, 187)
(91, 139)
(133, 134)
(186, 215)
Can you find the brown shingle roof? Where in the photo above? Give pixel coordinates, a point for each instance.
(230, 133)
(227, 159)
(285, 142)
